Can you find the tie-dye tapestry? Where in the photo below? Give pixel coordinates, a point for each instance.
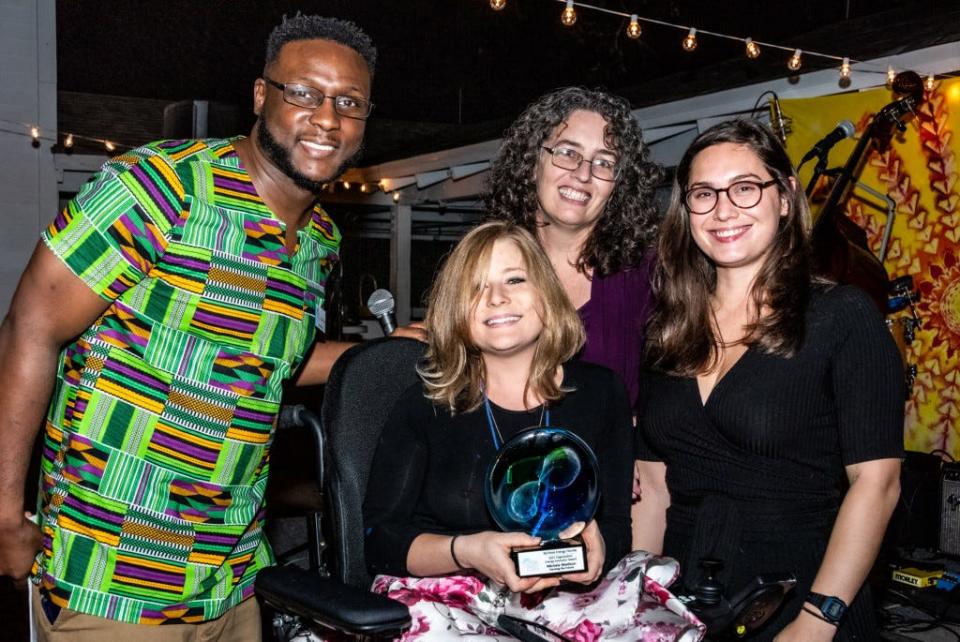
(919, 173)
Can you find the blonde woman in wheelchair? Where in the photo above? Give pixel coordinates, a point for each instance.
(502, 334)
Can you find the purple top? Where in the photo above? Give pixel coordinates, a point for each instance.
(615, 319)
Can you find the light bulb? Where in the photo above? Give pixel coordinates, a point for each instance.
(793, 64)
(396, 197)
(753, 49)
(363, 187)
(891, 74)
(35, 133)
(633, 29)
(497, 5)
(109, 146)
(68, 141)
(346, 184)
(690, 41)
(845, 69)
(569, 15)
(929, 83)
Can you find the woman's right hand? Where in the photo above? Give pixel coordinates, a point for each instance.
(489, 553)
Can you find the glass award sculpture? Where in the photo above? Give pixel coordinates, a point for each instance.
(544, 482)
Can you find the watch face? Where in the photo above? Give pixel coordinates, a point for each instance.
(833, 609)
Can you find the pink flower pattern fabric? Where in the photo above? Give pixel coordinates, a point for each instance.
(631, 604)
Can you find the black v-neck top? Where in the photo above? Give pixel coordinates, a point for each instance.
(756, 473)
(429, 468)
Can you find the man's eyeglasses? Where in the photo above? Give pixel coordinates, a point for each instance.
(310, 98)
(743, 194)
(570, 159)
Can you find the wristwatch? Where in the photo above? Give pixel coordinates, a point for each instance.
(832, 607)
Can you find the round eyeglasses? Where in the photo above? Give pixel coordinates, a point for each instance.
(310, 98)
(570, 159)
(743, 194)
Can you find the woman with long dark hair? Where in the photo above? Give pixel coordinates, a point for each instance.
(768, 392)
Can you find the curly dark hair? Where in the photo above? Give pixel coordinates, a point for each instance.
(301, 27)
(629, 221)
(680, 337)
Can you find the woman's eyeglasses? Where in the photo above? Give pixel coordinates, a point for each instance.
(743, 194)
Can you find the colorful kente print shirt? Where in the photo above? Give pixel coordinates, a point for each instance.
(156, 449)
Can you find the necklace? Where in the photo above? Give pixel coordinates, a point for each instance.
(495, 433)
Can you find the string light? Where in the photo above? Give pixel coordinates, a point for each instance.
(110, 147)
(346, 184)
(891, 74)
(68, 141)
(363, 187)
(689, 43)
(633, 29)
(497, 5)
(396, 197)
(793, 64)
(929, 83)
(35, 134)
(845, 69)
(569, 15)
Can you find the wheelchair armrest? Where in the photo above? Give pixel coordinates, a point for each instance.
(330, 603)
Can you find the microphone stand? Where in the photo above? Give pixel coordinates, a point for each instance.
(818, 170)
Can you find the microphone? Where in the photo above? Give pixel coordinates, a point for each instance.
(844, 129)
(381, 304)
(779, 123)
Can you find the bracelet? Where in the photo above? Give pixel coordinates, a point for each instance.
(453, 555)
(817, 615)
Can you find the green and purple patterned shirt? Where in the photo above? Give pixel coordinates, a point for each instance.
(156, 449)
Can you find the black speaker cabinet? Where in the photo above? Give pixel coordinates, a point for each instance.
(950, 509)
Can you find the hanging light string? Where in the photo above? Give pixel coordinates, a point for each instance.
(66, 139)
(752, 47)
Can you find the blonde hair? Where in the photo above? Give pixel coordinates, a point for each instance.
(452, 368)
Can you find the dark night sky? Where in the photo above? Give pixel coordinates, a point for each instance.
(443, 61)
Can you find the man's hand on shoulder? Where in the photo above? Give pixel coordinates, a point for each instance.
(415, 330)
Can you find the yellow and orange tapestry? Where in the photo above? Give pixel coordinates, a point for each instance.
(919, 173)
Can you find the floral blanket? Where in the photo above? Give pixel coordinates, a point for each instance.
(630, 604)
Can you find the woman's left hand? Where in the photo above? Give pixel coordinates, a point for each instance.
(596, 555)
(807, 628)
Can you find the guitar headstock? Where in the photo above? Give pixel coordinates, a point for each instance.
(908, 89)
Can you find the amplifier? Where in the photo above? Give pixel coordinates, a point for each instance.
(950, 509)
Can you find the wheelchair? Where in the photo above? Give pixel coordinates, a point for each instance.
(363, 387)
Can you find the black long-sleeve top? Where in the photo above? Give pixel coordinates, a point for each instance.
(429, 468)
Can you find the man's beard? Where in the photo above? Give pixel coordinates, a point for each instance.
(280, 156)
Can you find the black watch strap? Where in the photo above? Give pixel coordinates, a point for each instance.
(832, 607)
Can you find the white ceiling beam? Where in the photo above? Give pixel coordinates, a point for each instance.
(427, 179)
(462, 171)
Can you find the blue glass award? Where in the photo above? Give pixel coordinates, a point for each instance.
(544, 482)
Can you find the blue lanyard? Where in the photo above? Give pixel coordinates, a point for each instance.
(492, 424)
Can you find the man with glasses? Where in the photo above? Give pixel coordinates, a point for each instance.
(159, 318)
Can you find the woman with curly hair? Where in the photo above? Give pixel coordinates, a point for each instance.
(573, 170)
(769, 392)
